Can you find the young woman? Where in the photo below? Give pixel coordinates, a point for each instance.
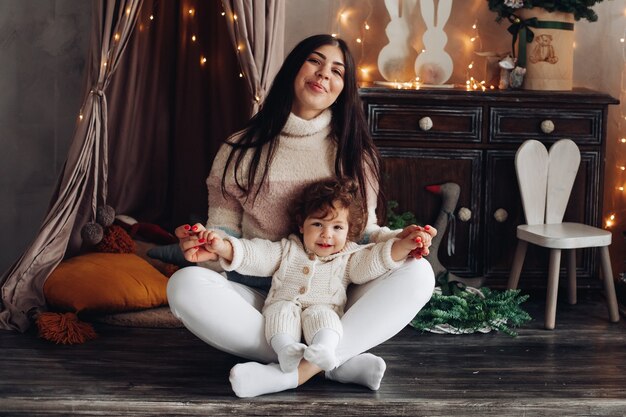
(311, 127)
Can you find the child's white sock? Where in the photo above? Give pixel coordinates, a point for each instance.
(251, 379)
(364, 369)
(288, 350)
(322, 350)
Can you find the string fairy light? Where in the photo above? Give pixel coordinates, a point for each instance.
(475, 42)
(611, 218)
(350, 22)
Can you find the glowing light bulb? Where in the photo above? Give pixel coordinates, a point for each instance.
(193, 38)
(240, 75)
(151, 17)
(358, 40)
(334, 35)
(622, 40)
(202, 60)
(191, 12)
(116, 37)
(80, 116)
(234, 17)
(367, 27)
(223, 13)
(473, 38)
(620, 188)
(623, 140)
(128, 10)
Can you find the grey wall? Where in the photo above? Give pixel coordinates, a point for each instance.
(43, 47)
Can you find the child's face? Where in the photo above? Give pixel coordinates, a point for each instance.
(328, 235)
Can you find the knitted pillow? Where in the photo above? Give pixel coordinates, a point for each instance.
(105, 282)
(171, 254)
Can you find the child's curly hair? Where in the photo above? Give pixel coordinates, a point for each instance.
(322, 196)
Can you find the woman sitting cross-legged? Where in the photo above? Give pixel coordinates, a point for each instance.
(311, 127)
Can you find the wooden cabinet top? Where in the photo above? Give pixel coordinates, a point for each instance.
(577, 96)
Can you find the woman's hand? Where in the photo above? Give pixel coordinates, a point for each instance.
(426, 239)
(192, 244)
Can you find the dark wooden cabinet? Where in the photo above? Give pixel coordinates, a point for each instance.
(434, 136)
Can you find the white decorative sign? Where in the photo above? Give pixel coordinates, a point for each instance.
(434, 64)
(394, 59)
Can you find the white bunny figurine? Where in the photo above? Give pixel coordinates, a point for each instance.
(394, 60)
(434, 65)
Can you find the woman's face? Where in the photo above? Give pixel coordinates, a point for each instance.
(319, 82)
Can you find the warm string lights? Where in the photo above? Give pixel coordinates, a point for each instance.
(351, 23)
(475, 43)
(347, 25)
(620, 168)
(116, 38)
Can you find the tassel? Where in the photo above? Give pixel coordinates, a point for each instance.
(64, 328)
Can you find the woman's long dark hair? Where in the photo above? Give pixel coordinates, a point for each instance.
(357, 156)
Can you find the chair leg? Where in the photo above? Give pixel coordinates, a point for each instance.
(553, 288)
(609, 285)
(518, 262)
(571, 276)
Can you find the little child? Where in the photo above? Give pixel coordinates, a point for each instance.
(311, 270)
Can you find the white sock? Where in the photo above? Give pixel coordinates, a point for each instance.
(288, 350)
(364, 369)
(251, 379)
(322, 351)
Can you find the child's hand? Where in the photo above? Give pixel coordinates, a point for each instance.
(188, 240)
(213, 242)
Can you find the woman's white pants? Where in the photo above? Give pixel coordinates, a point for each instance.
(227, 315)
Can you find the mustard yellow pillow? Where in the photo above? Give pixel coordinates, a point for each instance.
(105, 282)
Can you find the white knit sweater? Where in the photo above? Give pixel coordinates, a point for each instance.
(304, 278)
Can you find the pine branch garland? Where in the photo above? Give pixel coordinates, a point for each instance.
(467, 310)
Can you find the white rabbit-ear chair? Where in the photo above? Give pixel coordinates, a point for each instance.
(545, 182)
(434, 65)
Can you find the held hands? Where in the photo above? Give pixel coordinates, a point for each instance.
(201, 245)
(417, 239)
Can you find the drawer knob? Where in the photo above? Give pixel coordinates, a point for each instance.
(464, 214)
(426, 123)
(547, 126)
(500, 215)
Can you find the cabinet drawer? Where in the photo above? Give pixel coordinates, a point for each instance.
(449, 124)
(406, 173)
(519, 124)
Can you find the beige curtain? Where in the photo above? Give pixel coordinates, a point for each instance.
(257, 30)
(83, 183)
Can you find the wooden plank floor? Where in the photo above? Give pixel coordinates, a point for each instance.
(577, 369)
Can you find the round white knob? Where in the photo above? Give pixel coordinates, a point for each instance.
(547, 126)
(464, 214)
(500, 215)
(426, 123)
